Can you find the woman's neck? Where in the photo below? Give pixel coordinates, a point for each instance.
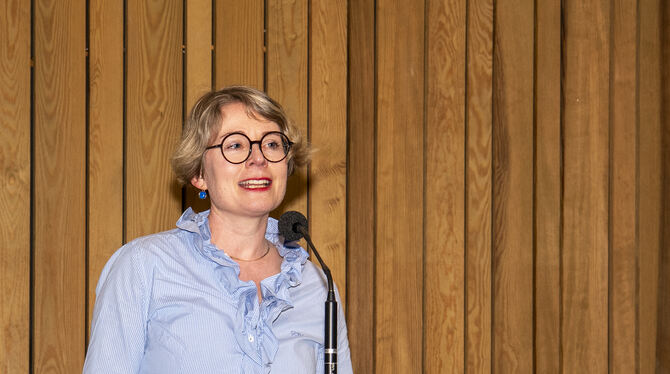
(239, 236)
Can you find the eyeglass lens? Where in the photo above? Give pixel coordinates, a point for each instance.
(236, 147)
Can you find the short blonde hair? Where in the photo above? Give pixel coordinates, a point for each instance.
(204, 122)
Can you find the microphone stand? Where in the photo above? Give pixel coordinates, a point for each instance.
(330, 333)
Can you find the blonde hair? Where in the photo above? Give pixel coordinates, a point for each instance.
(204, 122)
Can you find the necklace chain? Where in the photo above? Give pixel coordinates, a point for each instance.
(267, 250)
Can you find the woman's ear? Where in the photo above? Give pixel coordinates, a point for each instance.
(199, 182)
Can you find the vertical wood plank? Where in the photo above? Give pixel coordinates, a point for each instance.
(105, 168)
(239, 43)
(15, 186)
(547, 186)
(399, 268)
(361, 185)
(328, 111)
(663, 343)
(287, 80)
(623, 188)
(479, 99)
(585, 203)
(198, 70)
(513, 187)
(154, 115)
(650, 187)
(445, 189)
(59, 212)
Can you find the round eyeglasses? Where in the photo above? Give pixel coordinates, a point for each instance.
(236, 147)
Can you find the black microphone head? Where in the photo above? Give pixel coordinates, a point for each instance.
(288, 224)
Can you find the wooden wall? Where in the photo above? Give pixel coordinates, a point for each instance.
(490, 187)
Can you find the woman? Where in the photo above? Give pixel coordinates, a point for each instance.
(222, 292)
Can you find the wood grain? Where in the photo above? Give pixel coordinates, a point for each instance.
(105, 141)
(444, 226)
(623, 335)
(287, 82)
(198, 71)
(585, 204)
(649, 184)
(663, 339)
(239, 47)
(328, 113)
(478, 184)
(361, 186)
(154, 116)
(547, 186)
(59, 210)
(399, 215)
(15, 186)
(513, 132)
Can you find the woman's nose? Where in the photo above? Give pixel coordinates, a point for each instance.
(256, 156)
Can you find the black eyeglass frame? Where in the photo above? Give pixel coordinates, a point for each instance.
(287, 146)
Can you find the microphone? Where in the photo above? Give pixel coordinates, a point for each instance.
(293, 226)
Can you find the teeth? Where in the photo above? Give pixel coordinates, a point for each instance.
(255, 183)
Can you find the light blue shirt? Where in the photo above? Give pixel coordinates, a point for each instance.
(173, 303)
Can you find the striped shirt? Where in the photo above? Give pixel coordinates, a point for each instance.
(173, 303)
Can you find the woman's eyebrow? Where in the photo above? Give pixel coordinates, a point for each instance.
(222, 136)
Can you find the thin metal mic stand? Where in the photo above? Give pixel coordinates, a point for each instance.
(330, 333)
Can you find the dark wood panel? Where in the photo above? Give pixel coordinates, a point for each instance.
(361, 186)
(287, 82)
(399, 214)
(513, 133)
(624, 298)
(154, 115)
(478, 179)
(239, 47)
(59, 210)
(105, 168)
(15, 186)
(649, 183)
(547, 186)
(663, 342)
(444, 226)
(585, 204)
(198, 71)
(328, 113)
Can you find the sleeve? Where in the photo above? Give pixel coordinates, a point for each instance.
(119, 316)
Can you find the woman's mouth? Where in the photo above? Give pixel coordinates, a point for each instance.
(256, 184)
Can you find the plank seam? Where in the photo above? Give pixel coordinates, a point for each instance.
(637, 186)
(426, 73)
(375, 183)
(184, 82)
(492, 191)
(562, 185)
(534, 192)
(610, 167)
(31, 338)
(87, 179)
(265, 51)
(466, 119)
(124, 192)
(212, 83)
(347, 242)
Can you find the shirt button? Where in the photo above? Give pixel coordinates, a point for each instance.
(251, 338)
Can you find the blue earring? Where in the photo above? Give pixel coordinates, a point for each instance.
(202, 195)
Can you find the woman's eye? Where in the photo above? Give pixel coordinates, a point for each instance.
(233, 146)
(272, 145)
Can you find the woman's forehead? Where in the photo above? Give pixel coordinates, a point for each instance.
(237, 117)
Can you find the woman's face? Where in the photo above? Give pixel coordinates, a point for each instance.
(252, 188)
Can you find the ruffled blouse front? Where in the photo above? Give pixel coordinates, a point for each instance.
(253, 321)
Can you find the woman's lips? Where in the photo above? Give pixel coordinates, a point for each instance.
(256, 184)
